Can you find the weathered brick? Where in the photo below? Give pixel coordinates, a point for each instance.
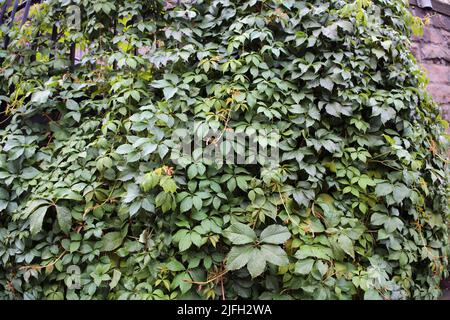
(446, 111)
(415, 49)
(446, 35)
(433, 52)
(440, 92)
(418, 11)
(434, 35)
(440, 21)
(438, 73)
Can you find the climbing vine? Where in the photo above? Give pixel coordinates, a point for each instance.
(91, 181)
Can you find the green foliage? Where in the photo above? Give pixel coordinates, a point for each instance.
(357, 207)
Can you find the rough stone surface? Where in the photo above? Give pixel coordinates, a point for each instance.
(432, 51)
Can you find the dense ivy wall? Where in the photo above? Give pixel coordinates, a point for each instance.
(355, 209)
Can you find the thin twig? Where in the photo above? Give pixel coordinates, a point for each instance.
(38, 267)
(208, 281)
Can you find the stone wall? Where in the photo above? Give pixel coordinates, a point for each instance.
(432, 51)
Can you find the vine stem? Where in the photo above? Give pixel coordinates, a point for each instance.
(286, 209)
(208, 281)
(101, 204)
(38, 267)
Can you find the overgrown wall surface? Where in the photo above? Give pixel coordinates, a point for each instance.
(354, 207)
(432, 51)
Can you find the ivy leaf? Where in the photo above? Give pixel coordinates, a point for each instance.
(327, 83)
(36, 219)
(240, 233)
(175, 266)
(168, 184)
(186, 204)
(401, 192)
(72, 105)
(115, 278)
(257, 263)
(149, 181)
(393, 223)
(64, 217)
(336, 109)
(378, 219)
(242, 183)
(372, 294)
(169, 92)
(112, 241)
(181, 280)
(40, 97)
(197, 202)
(124, 149)
(346, 244)
(33, 205)
(304, 266)
(383, 189)
(314, 251)
(274, 255)
(149, 148)
(133, 192)
(185, 243)
(275, 234)
(238, 257)
(330, 31)
(29, 173)
(134, 208)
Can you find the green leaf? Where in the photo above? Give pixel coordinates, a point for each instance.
(304, 266)
(401, 192)
(131, 63)
(314, 251)
(64, 217)
(72, 105)
(274, 255)
(186, 204)
(330, 31)
(115, 278)
(198, 202)
(240, 233)
(112, 241)
(124, 149)
(393, 223)
(168, 184)
(133, 192)
(242, 183)
(346, 244)
(185, 243)
(327, 83)
(169, 92)
(378, 219)
(192, 171)
(336, 109)
(148, 148)
(257, 263)
(40, 97)
(238, 257)
(150, 181)
(36, 219)
(175, 266)
(196, 239)
(182, 281)
(29, 173)
(372, 294)
(383, 189)
(33, 205)
(275, 234)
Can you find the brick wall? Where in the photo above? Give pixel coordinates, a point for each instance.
(432, 51)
